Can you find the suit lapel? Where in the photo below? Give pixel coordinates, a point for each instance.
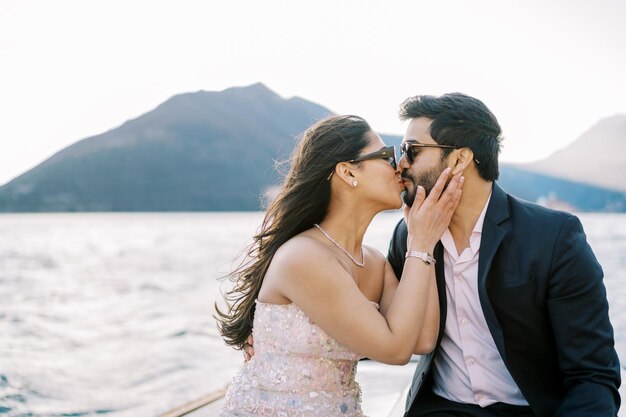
(441, 289)
(492, 235)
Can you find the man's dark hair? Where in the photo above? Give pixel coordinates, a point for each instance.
(463, 121)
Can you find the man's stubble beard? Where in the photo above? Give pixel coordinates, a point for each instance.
(427, 180)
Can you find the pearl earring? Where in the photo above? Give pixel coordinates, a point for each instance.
(354, 183)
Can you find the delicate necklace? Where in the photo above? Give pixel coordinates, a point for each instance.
(361, 264)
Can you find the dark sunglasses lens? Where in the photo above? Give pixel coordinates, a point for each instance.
(408, 152)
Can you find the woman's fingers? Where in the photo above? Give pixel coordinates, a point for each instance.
(429, 216)
(420, 196)
(455, 197)
(451, 190)
(454, 203)
(439, 186)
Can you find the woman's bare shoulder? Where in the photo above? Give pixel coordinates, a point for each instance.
(301, 252)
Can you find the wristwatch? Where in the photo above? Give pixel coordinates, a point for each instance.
(424, 256)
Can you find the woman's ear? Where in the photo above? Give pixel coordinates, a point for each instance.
(345, 172)
(462, 159)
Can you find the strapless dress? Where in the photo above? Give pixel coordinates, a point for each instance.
(297, 370)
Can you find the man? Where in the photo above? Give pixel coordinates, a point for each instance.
(524, 328)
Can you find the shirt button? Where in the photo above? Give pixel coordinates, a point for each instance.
(463, 321)
(471, 361)
(478, 397)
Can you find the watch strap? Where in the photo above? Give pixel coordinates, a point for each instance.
(424, 256)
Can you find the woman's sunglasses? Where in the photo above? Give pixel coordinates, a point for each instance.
(388, 154)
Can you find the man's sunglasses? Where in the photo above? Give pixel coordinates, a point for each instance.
(388, 154)
(411, 149)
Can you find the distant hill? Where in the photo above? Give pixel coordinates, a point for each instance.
(596, 157)
(559, 193)
(196, 151)
(212, 151)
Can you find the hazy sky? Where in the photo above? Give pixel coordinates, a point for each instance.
(549, 69)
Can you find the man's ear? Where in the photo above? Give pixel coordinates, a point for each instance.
(462, 159)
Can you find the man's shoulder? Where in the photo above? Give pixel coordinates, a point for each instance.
(400, 228)
(397, 247)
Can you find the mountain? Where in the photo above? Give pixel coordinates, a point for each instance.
(595, 158)
(559, 193)
(196, 151)
(210, 151)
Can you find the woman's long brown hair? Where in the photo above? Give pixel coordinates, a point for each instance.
(301, 202)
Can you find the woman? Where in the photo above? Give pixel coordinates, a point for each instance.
(311, 291)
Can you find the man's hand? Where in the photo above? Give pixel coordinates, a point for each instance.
(248, 349)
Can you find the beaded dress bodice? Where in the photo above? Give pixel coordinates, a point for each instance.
(297, 370)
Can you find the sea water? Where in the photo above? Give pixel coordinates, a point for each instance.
(111, 313)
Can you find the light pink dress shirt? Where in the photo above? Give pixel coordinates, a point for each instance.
(469, 368)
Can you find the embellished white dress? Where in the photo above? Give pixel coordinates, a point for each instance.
(297, 370)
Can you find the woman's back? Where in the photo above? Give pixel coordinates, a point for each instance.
(297, 369)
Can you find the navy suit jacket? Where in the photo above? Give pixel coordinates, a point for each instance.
(541, 291)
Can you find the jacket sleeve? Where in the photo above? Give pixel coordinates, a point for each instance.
(397, 248)
(578, 310)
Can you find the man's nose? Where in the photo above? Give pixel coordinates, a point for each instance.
(403, 163)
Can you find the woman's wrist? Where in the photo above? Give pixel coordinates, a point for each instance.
(420, 246)
(426, 257)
